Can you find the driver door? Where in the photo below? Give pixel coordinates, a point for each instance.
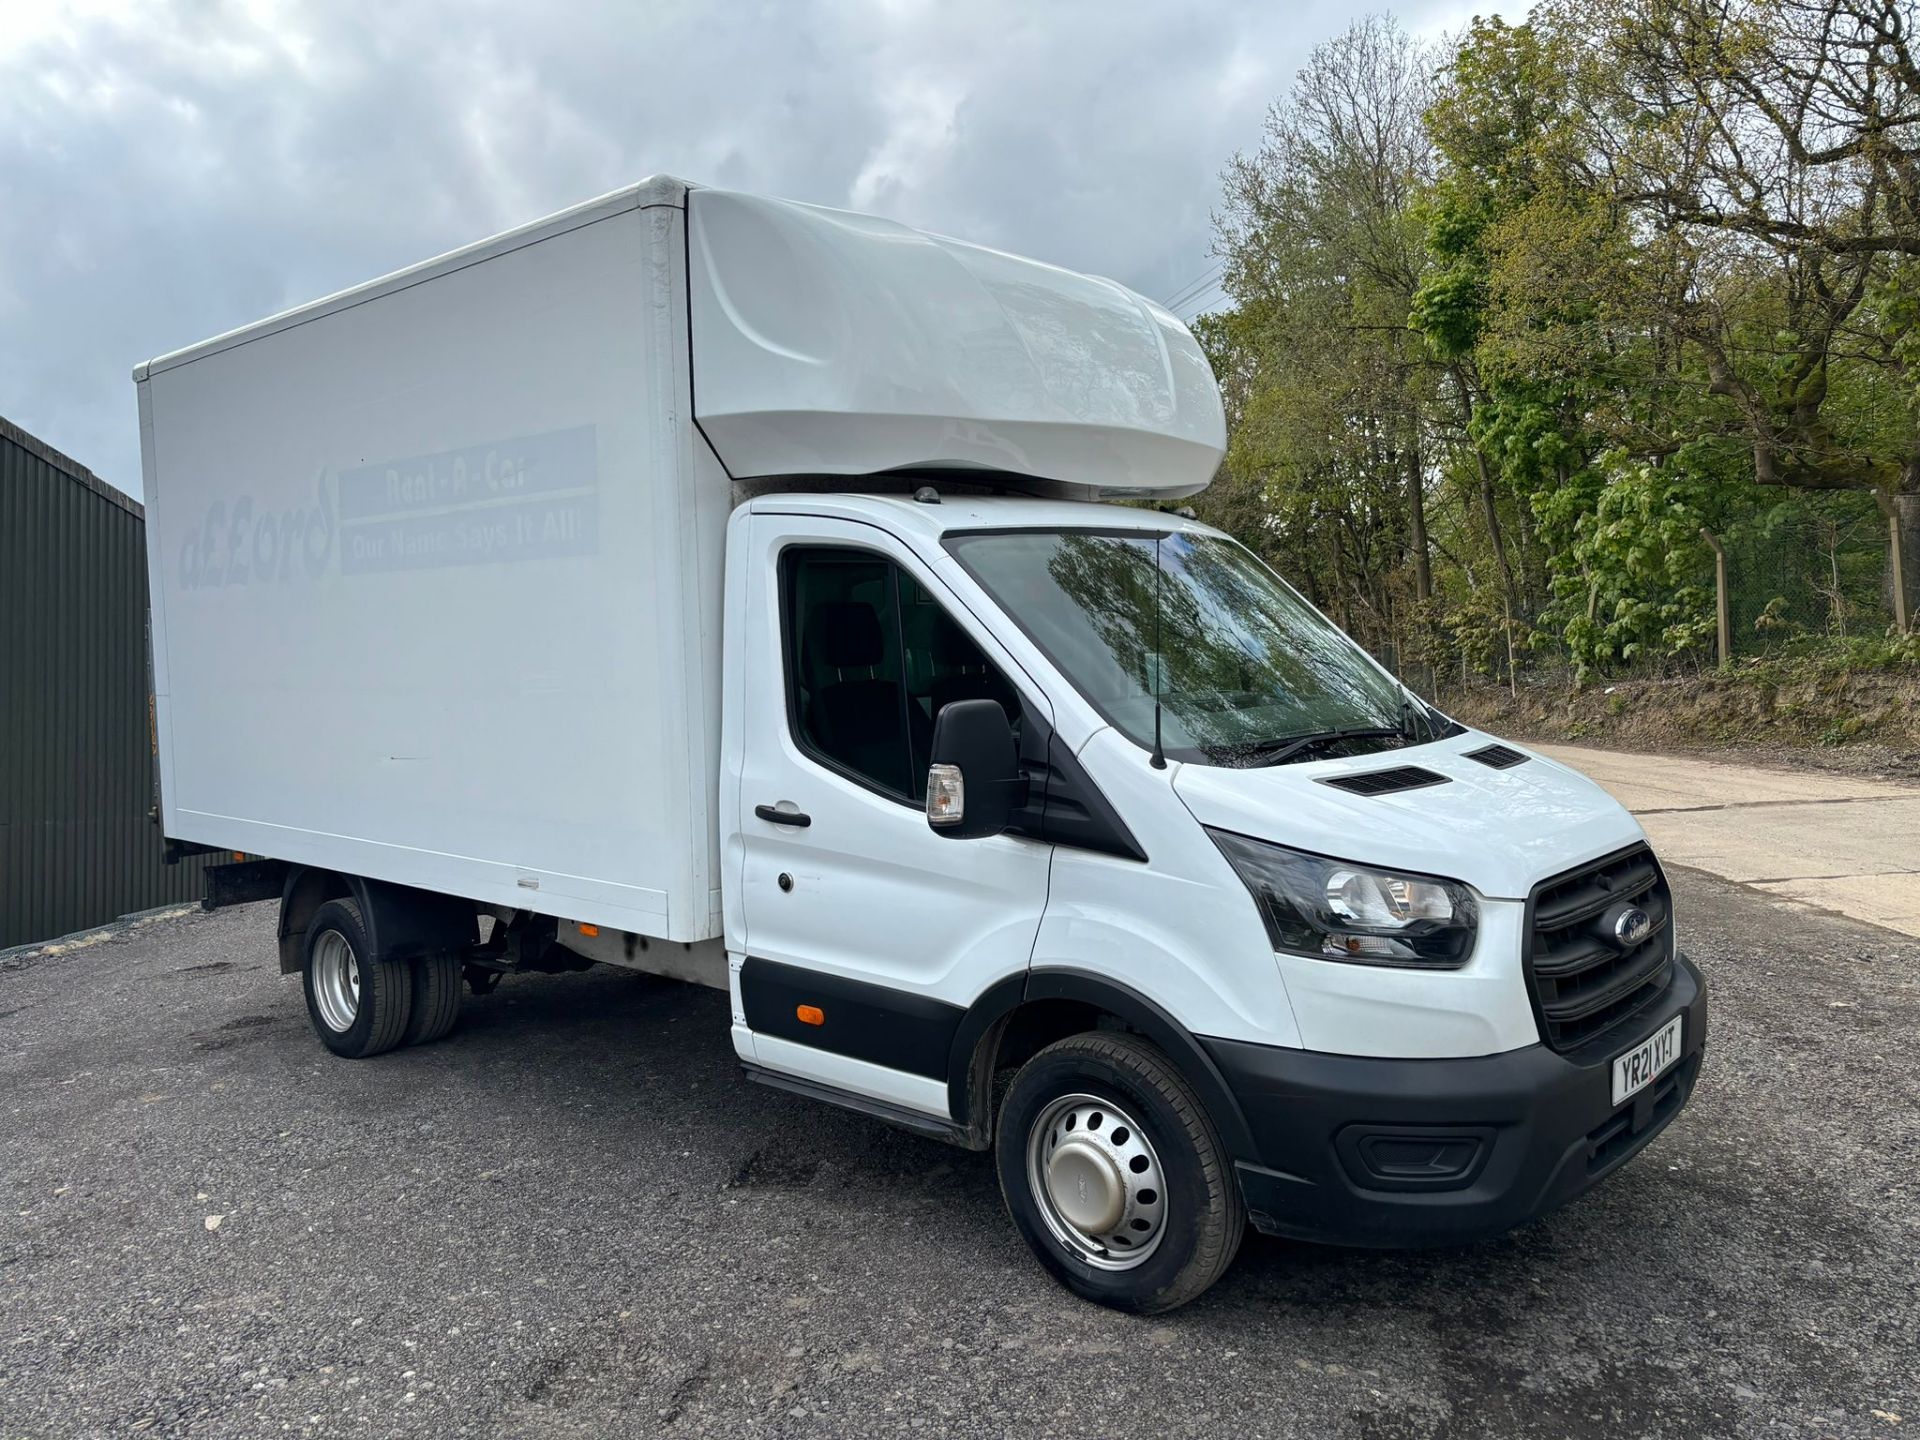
(866, 935)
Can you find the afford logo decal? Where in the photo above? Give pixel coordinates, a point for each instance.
(237, 544)
(525, 498)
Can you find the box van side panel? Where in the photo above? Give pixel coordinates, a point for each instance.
(427, 583)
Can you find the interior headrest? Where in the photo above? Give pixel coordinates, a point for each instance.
(843, 635)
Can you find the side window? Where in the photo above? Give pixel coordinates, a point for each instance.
(848, 702)
(942, 662)
(871, 657)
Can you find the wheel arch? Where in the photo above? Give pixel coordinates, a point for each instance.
(1048, 1004)
(400, 921)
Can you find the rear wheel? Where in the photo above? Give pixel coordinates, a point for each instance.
(436, 998)
(1114, 1175)
(359, 1007)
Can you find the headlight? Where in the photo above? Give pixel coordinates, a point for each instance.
(1334, 910)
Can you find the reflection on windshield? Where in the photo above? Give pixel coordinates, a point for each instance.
(1238, 661)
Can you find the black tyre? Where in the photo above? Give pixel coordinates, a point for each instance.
(359, 1007)
(1113, 1173)
(436, 998)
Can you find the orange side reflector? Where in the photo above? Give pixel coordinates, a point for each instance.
(239, 855)
(589, 930)
(810, 1014)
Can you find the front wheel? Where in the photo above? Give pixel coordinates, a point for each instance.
(1114, 1175)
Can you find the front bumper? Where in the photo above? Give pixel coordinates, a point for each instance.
(1358, 1151)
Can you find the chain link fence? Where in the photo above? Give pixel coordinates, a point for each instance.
(1808, 572)
(1811, 574)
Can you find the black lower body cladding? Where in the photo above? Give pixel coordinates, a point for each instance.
(1360, 1151)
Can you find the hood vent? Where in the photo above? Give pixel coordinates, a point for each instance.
(1497, 757)
(1386, 782)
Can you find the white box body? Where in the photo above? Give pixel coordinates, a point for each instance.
(436, 579)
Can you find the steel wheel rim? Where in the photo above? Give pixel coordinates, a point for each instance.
(1103, 1197)
(336, 981)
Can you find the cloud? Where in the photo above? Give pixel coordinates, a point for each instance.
(174, 168)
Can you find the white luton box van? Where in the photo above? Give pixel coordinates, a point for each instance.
(719, 587)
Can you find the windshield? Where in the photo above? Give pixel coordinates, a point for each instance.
(1241, 664)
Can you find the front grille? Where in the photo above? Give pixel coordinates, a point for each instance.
(1584, 981)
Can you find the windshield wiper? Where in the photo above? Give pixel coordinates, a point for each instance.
(1278, 752)
(1406, 719)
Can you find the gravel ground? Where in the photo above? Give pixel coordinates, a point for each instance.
(576, 1218)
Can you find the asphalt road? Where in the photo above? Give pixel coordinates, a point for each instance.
(576, 1218)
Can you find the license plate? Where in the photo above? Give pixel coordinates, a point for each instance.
(1642, 1065)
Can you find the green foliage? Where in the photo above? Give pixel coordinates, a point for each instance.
(1815, 658)
(1450, 309)
(1638, 582)
(1455, 218)
(1896, 305)
(1539, 310)
(1530, 433)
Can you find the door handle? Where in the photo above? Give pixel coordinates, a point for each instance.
(776, 816)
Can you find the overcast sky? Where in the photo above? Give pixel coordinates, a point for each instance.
(170, 169)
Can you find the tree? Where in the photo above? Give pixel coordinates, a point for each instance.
(1769, 151)
(1515, 321)
(1330, 393)
(1501, 125)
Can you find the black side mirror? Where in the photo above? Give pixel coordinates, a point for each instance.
(974, 783)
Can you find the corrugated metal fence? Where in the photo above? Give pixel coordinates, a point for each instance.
(77, 846)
